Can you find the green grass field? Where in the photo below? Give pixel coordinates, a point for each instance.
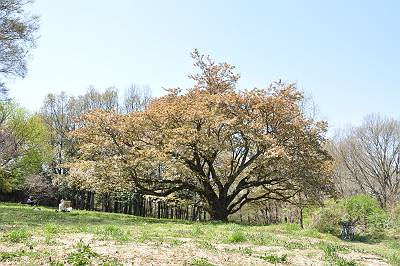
(45, 237)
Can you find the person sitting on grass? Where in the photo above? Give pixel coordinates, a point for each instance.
(31, 201)
(61, 206)
(64, 206)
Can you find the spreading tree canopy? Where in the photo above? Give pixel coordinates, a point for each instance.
(230, 147)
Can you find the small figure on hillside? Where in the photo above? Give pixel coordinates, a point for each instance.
(347, 230)
(30, 201)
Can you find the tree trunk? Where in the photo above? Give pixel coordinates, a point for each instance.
(218, 209)
(219, 214)
(301, 218)
(92, 199)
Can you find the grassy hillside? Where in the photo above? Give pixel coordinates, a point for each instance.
(33, 237)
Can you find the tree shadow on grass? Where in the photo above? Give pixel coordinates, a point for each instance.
(363, 239)
(17, 214)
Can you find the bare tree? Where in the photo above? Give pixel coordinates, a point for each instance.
(61, 113)
(55, 113)
(369, 155)
(94, 99)
(136, 98)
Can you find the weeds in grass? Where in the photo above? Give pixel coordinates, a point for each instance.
(291, 227)
(206, 245)
(19, 235)
(237, 237)
(110, 261)
(394, 244)
(10, 256)
(264, 239)
(295, 245)
(49, 240)
(233, 227)
(311, 254)
(311, 233)
(51, 229)
(339, 261)
(177, 242)
(56, 263)
(145, 236)
(275, 259)
(82, 256)
(197, 230)
(246, 250)
(330, 250)
(394, 258)
(201, 262)
(86, 229)
(112, 232)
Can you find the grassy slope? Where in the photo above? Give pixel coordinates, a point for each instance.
(32, 237)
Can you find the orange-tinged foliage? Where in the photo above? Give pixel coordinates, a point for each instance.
(230, 147)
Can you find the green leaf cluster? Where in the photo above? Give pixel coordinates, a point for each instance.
(30, 141)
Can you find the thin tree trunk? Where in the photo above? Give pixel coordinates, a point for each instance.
(301, 218)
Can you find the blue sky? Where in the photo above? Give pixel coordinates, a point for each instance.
(346, 54)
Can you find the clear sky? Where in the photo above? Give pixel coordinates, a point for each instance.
(346, 54)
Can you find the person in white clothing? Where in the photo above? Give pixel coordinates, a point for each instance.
(61, 206)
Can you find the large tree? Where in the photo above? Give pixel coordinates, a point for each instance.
(18, 34)
(229, 147)
(368, 158)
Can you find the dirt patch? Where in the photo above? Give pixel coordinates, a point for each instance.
(165, 254)
(365, 259)
(183, 253)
